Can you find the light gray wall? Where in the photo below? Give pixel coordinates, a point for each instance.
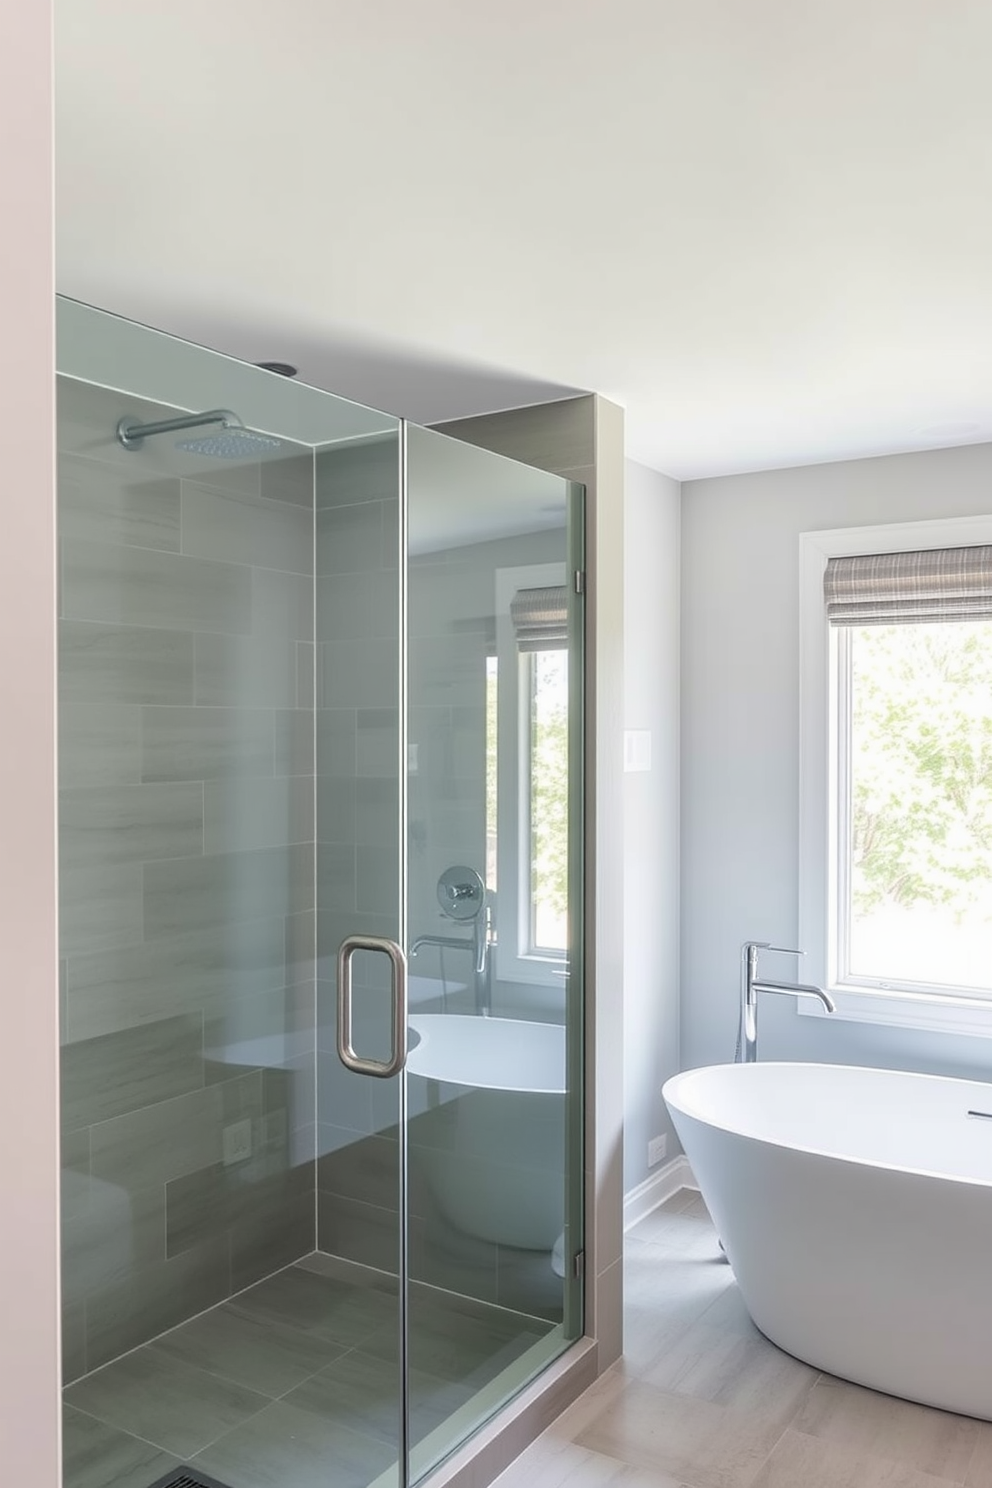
(740, 737)
(651, 812)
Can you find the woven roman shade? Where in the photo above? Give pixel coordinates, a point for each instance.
(540, 618)
(909, 588)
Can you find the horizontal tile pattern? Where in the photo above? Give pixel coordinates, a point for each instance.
(241, 814)
(99, 744)
(172, 1137)
(119, 1072)
(138, 586)
(124, 664)
(107, 1233)
(258, 671)
(129, 824)
(240, 529)
(97, 504)
(195, 893)
(282, 603)
(213, 1200)
(212, 970)
(99, 908)
(206, 743)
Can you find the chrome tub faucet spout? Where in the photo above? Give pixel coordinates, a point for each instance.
(751, 986)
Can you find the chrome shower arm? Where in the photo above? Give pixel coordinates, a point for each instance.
(130, 432)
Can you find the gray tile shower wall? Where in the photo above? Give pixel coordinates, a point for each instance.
(187, 885)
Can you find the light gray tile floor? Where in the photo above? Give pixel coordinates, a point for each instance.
(701, 1399)
(291, 1384)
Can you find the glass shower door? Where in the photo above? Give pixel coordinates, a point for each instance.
(361, 996)
(493, 868)
(449, 734)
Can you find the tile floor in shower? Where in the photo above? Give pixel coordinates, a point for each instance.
(292, 1384)
(702, 1400)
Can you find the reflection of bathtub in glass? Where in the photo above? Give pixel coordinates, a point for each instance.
(493, 1152)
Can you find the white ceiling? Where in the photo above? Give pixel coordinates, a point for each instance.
(764, 226)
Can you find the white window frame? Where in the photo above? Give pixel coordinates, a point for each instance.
(514, 961)
(819, 870)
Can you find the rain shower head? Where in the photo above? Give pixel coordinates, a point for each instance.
(232, 442)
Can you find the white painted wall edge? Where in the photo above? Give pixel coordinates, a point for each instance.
(657, 1189)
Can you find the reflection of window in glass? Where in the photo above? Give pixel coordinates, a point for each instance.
(527, 713)
(547, 776)
(492, 774)
(914, 794)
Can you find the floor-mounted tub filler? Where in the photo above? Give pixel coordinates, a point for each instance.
(855, 1207)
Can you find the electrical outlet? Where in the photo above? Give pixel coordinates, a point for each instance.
(237, 1141)
(657, 1147)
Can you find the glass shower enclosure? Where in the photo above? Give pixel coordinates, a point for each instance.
(320, 836)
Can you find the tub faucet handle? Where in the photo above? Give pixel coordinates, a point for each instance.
(782, 950)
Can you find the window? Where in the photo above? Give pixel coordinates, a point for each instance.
(545, 856)
(527, 751)
(896, 829)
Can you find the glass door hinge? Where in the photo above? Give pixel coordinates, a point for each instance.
(580, 581)
(579, 1265)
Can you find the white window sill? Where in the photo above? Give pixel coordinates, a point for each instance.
(540, 971)
(933, 1014)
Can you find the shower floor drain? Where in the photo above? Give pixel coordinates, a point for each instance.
(184, 1477)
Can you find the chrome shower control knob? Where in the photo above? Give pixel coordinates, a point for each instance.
(461, 893)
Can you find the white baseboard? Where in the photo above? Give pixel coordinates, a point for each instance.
(656, 1189)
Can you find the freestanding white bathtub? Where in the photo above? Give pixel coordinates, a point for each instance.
(855, 1206)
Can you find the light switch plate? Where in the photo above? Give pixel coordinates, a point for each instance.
(637, 749)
